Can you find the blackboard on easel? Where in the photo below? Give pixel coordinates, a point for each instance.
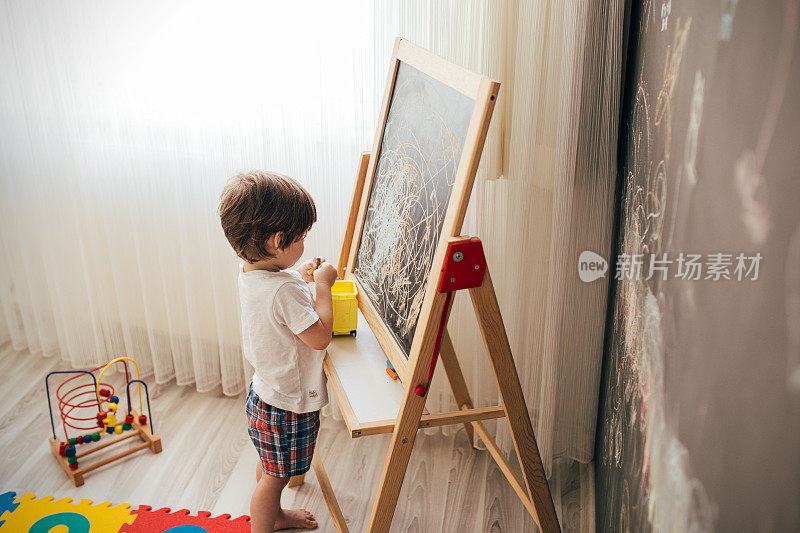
(430, 135)
(416, 170)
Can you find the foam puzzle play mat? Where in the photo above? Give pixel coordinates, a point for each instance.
(29, 514)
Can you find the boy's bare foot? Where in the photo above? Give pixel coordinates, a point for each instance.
(295, 518)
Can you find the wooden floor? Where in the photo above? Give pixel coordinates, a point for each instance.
(208, 464)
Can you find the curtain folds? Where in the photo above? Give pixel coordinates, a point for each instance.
(121, 122)
(543, 194)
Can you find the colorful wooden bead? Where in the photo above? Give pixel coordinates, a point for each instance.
(114, 399)
(72, 459)
(62, 451)
(118, 429)
(129, 419)
(95, 436)
(69, 451)
(105, 393)
(110, 429)
(143, 419)
(126, 426)
(73, 440)
(73, 466)
(112, 407)
(79, 439)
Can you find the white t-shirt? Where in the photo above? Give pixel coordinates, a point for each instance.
(276, 306)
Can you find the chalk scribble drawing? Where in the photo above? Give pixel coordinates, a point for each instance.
(726, 20)
(672, 66)
(666, 9)
(689, 170)
(695, 117)
(750, 183)
(640, 440)
(793, 312)
(416, 170)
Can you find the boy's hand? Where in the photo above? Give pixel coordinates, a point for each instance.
(304, 269)
(325, 274)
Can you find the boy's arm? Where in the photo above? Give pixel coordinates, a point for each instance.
(318, 335)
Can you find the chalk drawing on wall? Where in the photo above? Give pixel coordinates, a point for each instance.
(753, 195)
(672, 64)
(793, 312)
(750, 183)
(675, 500)
(639, 403)
(414, 175)
(695, 116)
(688, 172)
(666, 9)
(726, 20)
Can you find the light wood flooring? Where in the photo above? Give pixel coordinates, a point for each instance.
(208, 464)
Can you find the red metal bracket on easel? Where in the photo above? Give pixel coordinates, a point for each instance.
(464, 268)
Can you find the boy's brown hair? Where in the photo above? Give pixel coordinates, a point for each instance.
(255, 205)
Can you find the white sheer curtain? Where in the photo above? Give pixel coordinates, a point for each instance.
(120, 123)
(543, 194)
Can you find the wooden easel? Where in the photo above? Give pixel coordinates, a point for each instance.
(370, 402)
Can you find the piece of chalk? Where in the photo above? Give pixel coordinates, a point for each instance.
(317, 263)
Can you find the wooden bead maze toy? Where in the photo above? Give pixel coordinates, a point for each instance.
(87, 432)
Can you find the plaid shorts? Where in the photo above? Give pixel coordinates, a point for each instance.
(284, 440)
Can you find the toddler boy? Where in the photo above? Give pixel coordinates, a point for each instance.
(265, 217)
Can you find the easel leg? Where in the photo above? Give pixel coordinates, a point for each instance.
(457, 383)
(394, 469)
(405, 430)
(490, 321)
(330, 498)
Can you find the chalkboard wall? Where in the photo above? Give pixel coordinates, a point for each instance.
(699, 424)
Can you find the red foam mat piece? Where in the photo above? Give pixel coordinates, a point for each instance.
(149, 521)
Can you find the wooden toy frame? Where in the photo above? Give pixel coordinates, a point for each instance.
(141, 428)
(143, 431)
(431, 337)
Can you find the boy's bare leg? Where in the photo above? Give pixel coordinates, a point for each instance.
(296, 481)
(266, 514)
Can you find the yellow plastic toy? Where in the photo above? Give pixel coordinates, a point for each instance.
(345, 307)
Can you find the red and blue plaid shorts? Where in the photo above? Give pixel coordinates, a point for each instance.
(284, 440)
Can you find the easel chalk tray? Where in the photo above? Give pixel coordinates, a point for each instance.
(403, 251)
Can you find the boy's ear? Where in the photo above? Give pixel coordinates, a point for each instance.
(276, 240)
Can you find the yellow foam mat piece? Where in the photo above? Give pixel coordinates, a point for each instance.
(47, 515)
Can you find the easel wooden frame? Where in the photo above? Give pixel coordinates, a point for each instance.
(143, 431)
(483, 92)
(533, 490)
